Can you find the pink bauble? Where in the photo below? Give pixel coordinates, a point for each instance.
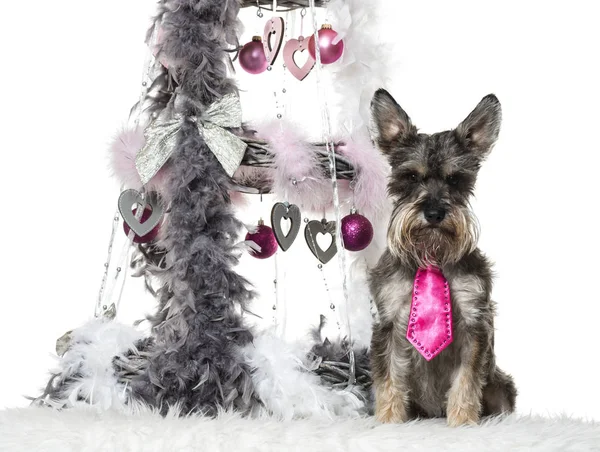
(252, 56)
(330, 52)
(145, 238)
(264, 238)
(357, 232)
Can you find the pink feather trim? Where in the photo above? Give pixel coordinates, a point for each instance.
(372, 171)
(123, 150)
(238, 199)
(122, 156)
(295, 161)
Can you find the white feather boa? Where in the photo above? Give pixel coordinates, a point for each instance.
(86, 370)
(288, 389)
(282, 378)
(363, 68)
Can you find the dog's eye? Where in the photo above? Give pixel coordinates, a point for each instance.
(413, 177)
(452, 180)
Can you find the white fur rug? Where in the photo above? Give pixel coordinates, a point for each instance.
(81, 429)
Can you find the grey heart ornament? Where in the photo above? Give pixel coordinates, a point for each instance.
(313, 228)
(130, 199)
(283, 211)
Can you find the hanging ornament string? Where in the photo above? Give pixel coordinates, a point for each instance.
(336, 201)
(149, 61)
(123, 264)
(331, 303)
(275, 294)
(281, 87)
(280, 319)
(372, 307)
(278, 40)
(280, 293)
(105, 306)
(100, 307)
(325, 285)
(280, 264)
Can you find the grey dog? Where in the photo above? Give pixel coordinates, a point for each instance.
(431, 182)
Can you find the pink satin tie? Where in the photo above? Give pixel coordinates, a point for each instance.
(430, 324)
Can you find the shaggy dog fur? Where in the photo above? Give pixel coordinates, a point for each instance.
(432, 179)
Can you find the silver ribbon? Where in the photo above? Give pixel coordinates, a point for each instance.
(161, 137)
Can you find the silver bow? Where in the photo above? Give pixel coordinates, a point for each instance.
(161, 137)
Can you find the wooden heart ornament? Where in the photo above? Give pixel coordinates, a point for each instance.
(132, 199)
(283, 211)
(314, 228)
(289, 50)
(272, 38)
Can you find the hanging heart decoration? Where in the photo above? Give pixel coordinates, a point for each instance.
(273, 32)
(289, 51)
(284, 211)
(313, 229)
(132, 199)
(151, 236)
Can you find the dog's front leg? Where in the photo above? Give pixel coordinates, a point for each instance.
(464, 397)
(390, 367)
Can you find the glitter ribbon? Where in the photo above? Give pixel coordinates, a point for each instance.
(161, 138)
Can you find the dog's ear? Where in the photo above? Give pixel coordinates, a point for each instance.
(480, 129)
(389, 123)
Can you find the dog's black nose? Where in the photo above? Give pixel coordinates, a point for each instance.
(434, 215)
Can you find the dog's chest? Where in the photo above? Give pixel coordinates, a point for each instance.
(431, 380)
(468, 297)
(466, 293)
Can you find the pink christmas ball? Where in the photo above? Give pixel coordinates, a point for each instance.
(357, 232)
(252, 57)
(330, 52)
(264, 238)
(145, 238)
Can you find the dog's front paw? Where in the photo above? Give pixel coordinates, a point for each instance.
(390, 403)
(462, 415)
(391, 415)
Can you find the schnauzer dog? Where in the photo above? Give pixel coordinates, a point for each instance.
(432, 227)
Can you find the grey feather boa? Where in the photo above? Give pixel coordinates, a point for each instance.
(194, 361)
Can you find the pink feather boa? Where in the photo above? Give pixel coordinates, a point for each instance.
(372, 170)
(312, 191)
(295, 161)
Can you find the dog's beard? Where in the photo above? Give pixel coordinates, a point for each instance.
(411, 237)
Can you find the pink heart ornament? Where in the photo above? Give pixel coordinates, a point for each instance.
(273, 28)
(289, 50)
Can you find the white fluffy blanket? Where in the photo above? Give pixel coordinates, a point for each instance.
(84, 429)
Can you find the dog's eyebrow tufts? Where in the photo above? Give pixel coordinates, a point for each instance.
(412, 167)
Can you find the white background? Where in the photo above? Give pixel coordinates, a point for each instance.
(71, 71)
